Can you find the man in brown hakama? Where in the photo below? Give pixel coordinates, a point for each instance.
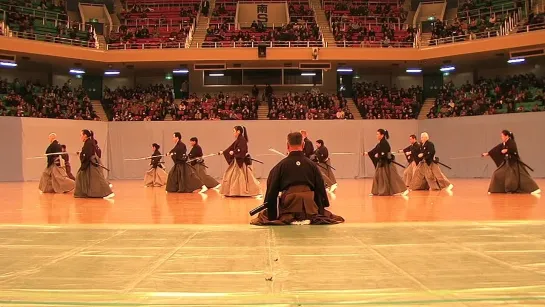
(304, 197)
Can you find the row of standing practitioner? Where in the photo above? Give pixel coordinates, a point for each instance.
(424, 172)
(188, 174)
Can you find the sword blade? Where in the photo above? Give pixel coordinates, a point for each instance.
(277, 152)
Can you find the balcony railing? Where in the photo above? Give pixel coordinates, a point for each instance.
(373, 44)
(52, 39)
(133, 46)
(269, 44)
(33, 12)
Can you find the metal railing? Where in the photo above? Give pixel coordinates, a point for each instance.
(269, 44)
(498, 8)
(132, 46)
(162, 22)
(67, 24)
(509, 24)
(373, 44)
(34, 12)
(365, 19)
(52, 39)
(361, 2)
(156, 4)
(531, 28)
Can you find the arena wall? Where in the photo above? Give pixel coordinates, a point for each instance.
(454, 138)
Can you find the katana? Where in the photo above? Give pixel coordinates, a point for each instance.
(468, 157)
(52, 154)
(147, 158)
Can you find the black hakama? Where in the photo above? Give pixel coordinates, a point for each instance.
(428, 174)
(195, 155)
(67, 166)
(54, 178)
(303, 198)
(182, 178)
(386, 181)
(239, 179)
(321, 156)
(156, 176)
(411, 153)
(90, 180)
(511, 176)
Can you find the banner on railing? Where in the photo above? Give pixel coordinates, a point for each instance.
(267, 13)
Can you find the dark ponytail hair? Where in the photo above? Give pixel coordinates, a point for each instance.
(243, 132)
(88, 133)
(156, 146)
(178, 135)
(384, 132)
(509, 134)
(194, 139)
(321, 142)
(412, 136)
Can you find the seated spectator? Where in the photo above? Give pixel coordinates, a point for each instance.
(138, 104)
(33, 100)
(310, 105)
(381, 102)
(518, 93)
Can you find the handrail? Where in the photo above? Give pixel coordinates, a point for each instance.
(254, 44)
(44, 13)
(158, 4)
(372, 44)
(486, 10)
(52, 39)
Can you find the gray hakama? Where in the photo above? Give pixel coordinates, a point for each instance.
(55, 180)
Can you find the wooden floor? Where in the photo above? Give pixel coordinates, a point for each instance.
(149, 248)
(21, 203)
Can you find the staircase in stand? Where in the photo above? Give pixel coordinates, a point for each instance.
(323, 23)
(200, 32)
(97, 106)
(353, 108)
(428, 103)
(425, 39)
(101, 42)
(263, 111)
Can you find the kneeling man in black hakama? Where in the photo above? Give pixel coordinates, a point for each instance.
(303, 198)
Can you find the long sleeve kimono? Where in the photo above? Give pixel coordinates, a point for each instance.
(90, 180)
(324, 165)
(200, 167)
(54, 178)
(303, 194)
(239, 179)
(511, 176)
(386, 181)
(182, 178)
(156, 176)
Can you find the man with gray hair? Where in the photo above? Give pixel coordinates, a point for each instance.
(303, 199)
(54, 178)
(428, 175)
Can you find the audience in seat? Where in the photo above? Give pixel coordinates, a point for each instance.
(156, 102)
(310, 105)
(139, 103)
(381, 102)
(27, 99)
(300, 31)
(216, 107)
(361, 23)
(150, 24)
(460, 30)
(512, 94)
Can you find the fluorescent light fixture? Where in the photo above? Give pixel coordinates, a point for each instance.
(514, 61)
(77, 71)
(308, 74)
(447, 68)
(216, 75)
(413, 70)
(8, 64)
(344, 70)
(180, 71)
(446, 74)
(111, 73)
